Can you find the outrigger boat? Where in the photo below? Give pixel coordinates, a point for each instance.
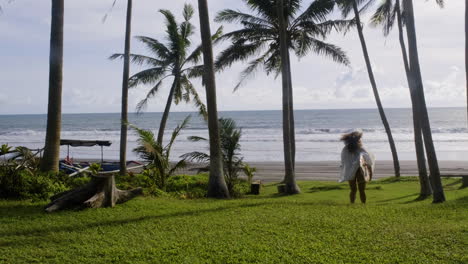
(74, 169)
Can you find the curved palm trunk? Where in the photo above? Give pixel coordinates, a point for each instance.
(165, 116)
(217, 184)
(437, 188)
(126, 76)
(50, 161)
(288, 117)
(425, 186)
(396, 163)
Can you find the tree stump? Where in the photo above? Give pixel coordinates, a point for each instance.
(99, 192)
(255, 187)
(464, 182)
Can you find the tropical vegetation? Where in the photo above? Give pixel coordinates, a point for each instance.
(230, 136)
(157, 157)
(171, 60)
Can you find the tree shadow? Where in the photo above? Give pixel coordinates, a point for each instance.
(326, 188)
(20, 210)
(72, 228)
(397, 198)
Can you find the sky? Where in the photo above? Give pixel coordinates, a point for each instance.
(92, 83)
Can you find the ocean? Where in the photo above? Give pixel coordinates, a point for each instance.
(317, 133)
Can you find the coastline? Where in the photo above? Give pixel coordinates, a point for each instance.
(329, 170)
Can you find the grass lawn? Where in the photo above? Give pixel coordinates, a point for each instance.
(317, 226)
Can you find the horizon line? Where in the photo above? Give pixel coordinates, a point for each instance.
(247, 110)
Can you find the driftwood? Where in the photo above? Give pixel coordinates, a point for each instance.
(99, 192)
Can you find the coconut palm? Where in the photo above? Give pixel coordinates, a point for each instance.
(416, 79)
(50, 160)
(126, 74)
(346, 7)
(170, 60)
(385, 16)
(260, 37)
(217, 185)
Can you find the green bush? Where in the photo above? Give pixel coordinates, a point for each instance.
(24, 184)
(188, 186)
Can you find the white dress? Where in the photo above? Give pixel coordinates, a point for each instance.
(352, 161)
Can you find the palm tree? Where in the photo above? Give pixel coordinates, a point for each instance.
(50, 160)
(348, 6)
(170, 61)
(126, 74)
(288, 110)
(385, 15)
(260, 37)
(438, 191)
(217, 185)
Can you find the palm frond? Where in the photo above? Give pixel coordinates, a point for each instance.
(143, 103)
(385, 15)
(140, 59)
(148, 76)
(330, 50)
(178, 166)
(156, 47)
(195, 56)
(251, 69)
(175, 133)
(196, 156)
(238, 51)
(196, 138)
(191, 93)
(317, 11)
(233, 16)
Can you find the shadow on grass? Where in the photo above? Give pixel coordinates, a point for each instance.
(20, 210)
(41, 232)
(326, 188)
(397, 198)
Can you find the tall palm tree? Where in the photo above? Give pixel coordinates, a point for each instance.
(217, 187)
(385, 15)
(288, 110)
(126, 74)
(259, 37)
(415, 70)
(50, 160)
(170, 61)
(348, 6)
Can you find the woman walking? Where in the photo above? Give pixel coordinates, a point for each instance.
(357, 165)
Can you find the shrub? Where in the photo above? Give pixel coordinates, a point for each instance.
(23, 184)
(188, 186)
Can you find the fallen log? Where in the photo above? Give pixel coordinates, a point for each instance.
(99, 192)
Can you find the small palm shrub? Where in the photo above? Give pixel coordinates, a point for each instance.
(159, 168)
(230, 136)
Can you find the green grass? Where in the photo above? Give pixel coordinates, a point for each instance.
(317, 226)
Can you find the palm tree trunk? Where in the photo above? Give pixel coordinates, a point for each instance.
(165, 116)
(424, 183)
(396, 163)
(126, 76)
(50, 161)
(217, 184)
(438, 191)
(288, 118)
(465, 179)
